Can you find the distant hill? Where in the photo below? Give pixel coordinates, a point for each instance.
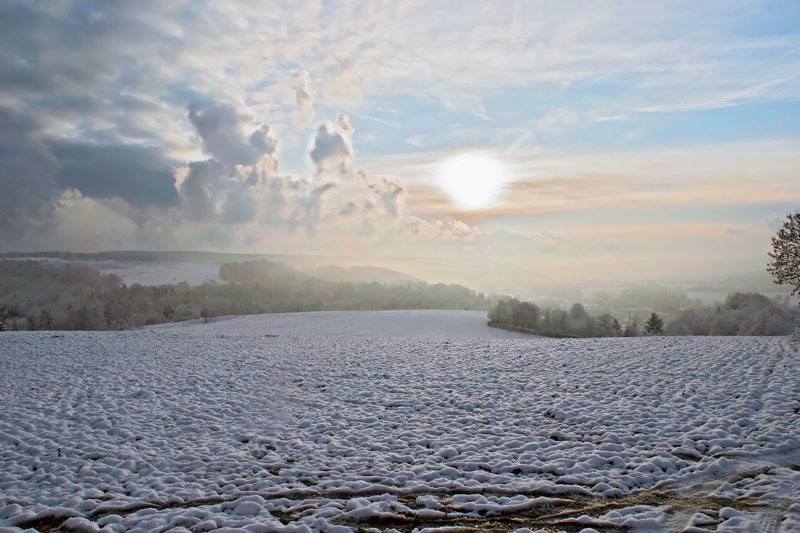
(269, 271)
(303, 266)
(258, 272)
(145, 256)
(366, 274)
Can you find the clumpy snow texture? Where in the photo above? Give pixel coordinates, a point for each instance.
(250, 424)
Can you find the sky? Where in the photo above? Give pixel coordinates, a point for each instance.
(611, 139)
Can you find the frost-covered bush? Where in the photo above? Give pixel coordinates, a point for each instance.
(690, 322)
(741, 314)
(527, 316)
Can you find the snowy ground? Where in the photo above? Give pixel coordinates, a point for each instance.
(226, 425)
(377, 324)
(162, 272)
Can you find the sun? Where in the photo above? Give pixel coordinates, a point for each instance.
(472, 181)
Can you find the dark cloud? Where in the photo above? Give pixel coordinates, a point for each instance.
(20, 22)
(139, 175)
(103, 91)
(332, 146)
(262, 142)
(209, 194)
(99, 68)
(19, 75)
(28, 172)
(220, 129)
(215, 190)
(197, 190)
(329, 145)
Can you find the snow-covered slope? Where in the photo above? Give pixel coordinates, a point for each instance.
(415, 323)
(216, 425)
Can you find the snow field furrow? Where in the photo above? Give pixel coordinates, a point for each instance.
(207, 429)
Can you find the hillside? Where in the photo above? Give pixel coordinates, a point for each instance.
(355, 274)
(409, 324)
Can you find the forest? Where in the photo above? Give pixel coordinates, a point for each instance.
(47, 295)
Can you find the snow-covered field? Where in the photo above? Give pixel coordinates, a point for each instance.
(162, 272)
(312, 422)
(419, 323)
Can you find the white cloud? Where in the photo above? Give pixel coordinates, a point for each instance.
(416, 140)
(303, 113)
(240, 52)
(236, 64)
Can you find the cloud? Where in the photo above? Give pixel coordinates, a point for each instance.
(198, 188)
(19, 75)
(389, 193)
(448, 229)
(56, 54)
(415, 140)
(220, 129)
(262, 142)
(303, 113)
(309, 207)
(267, 145)
(140, 175)
(78, 215)
(583, 181)
(104, 86)
(348, 209)
(345, 85)
(210, 194)
(332, 149)
(28, 171)
(240, 207)
(225, 188)
(338, 198)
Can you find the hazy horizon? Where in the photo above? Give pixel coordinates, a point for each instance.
(149, 267)
(490, 145)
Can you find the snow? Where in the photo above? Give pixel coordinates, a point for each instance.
(349, 324)
(162, 272)
(338, 421)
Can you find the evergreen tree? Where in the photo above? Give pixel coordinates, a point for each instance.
(654, 325)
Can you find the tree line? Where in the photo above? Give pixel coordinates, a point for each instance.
(553, 321)
(739, 314)
(36, 295)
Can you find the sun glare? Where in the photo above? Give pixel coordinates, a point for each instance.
(472, 181)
